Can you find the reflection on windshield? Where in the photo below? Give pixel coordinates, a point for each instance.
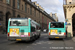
(57, 25)
(19, 22)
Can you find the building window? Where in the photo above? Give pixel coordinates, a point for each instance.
(18, 4)
(22, 7)
(18, 16)
(35, 20)
(13, 3)
(1, 16)
(35, 12)
(8, 1)
(25, 7)
(30, 10)
(39, 14)
(69, 2)
(32, 29)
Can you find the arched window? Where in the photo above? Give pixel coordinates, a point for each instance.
(1, 16)
(18, 16)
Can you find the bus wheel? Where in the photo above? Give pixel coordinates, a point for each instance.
(34, 37)
(39, 36)
(49, 38)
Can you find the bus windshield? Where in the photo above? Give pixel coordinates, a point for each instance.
(57, 25)
(19, 22)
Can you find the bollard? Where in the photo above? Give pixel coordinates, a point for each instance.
(69, 35)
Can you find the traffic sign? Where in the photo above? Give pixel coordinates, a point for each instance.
(65, 23)
(69, 24)
(0, 23)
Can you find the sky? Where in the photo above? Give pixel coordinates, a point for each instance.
(54, 6)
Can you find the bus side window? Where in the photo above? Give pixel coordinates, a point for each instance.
(32, 29)
(37, 28)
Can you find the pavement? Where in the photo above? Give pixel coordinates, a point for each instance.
(73, 38)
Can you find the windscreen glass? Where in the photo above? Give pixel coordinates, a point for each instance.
(19, 22)
(57, 25)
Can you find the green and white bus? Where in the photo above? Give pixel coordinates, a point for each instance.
(57, 30)
(23, 29)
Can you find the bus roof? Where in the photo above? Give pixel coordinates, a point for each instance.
(18, 18)
(27, 18)
(35, 22)
(56, 22)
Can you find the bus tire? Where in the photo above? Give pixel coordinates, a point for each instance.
(34, 37)
(31, 39)
(39, 36)
(49, 38)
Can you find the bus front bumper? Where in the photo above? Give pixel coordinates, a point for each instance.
(19, 38)
(56, 36)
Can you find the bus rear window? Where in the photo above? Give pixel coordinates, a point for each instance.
(57, 25)
(19, 22)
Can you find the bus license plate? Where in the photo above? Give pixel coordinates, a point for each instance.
(56, 37)
(18, 39)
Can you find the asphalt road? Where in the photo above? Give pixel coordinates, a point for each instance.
(43, 43)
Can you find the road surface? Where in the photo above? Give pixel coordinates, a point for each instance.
(43, 43)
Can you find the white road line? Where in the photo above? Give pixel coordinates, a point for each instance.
(44, 47)
(34, 44)
(39, 43)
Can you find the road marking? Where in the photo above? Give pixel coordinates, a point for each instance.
(34, 44)
(42, 42)
(49, 43)
(44, 47)
(39, 43)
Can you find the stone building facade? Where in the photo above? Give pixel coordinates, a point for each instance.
(54, 16)
(23, 9)
(69, 11)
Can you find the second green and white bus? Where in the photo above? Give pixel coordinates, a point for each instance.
(57, 30)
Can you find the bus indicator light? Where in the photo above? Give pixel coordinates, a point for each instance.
(49, 33)
(8, 34)
(29, 34)
(64, 33)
